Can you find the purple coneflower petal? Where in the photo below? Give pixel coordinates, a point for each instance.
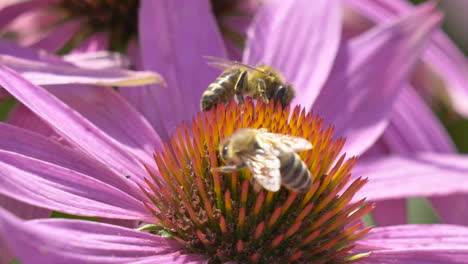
(98, 60)
(456, 212)
(58, 37)
(418, 244)
(413, 127)
(173, 33)
(32, 145)
(56, 241)
(368, 75)
(447, 62)
(20, 116)
(58, 188)
(41, 73)
(9, 12)
(300, 39)
(425, 174)
(23, 210)
(418, 256)
(107, 141)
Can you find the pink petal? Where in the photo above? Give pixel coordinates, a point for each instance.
(413, 127)
(390, 212)
(421, 175)
(20, 116)
(96, 42)
(452, 209)
(418, 256)
(60, 35)
(98, 60)
(448, 65)
(174, 35)
(58, 188)
(416, 244)
(42, 73)
(416, 237)
(23, 210)
(55, 241)
(105, 136)
(368, 76)
(10, 12)
(26, 143)
(300, 39)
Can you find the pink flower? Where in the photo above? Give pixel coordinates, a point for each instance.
(99, 172)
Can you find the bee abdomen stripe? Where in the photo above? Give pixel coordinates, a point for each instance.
(303, 181)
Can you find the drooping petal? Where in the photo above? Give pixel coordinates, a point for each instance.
(26, 143)
(452, 209)
(23, 210)
(108, 140)
(445, 65)
(9, 12)
(368, 75)
(416, 244)
(41, 73)
(55, 241)
(58, 37)
(419, 175)
(174, 37)
(418, 256)
(417, 237)
(413, 127)
(98, 60)
(300, 39)
(390, 212)
(58, 188)
(21, 116)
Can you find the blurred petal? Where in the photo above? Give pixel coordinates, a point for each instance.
(12, 49)
(418, 256)
(421, 175)
(99, 60)
(58, 188)
(174, 35)
(32, 145)
(10, 12)
(446, 67)
(108, 141)
(390, 212)
(417, 237)
(56, 241)
(23, 210)
(452, 209)
(58, 37)
(41, 73)
(96, 42)
(21, 116)
(413, 127)
(300, 39)
(416, 244)
(368, 75)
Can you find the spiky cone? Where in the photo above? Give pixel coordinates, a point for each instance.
(220, 215)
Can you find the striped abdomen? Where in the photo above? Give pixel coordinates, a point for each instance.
(294, 172)
(221, 90)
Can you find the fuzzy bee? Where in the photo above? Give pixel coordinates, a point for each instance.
(270, 157)
(239, 79)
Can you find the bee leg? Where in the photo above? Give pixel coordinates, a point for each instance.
(229, 168)
(261, 87)
(240, 87)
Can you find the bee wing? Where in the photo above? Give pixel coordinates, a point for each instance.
(265, 169)
(223, 64)
(293, 143)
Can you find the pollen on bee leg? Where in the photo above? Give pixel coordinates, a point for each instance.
(217, 213)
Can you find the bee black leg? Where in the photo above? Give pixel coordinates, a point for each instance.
(229, 168)
(279, 95)
(261, 87)
(240, 87)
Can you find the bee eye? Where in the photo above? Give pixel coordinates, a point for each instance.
(225, 150)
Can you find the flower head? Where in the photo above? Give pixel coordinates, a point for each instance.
(220, 215)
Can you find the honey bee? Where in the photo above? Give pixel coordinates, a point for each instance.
(237, 79)
(270, 157)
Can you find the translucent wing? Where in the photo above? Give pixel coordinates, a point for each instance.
(223, 64)
(265, 169)
(281, 141)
